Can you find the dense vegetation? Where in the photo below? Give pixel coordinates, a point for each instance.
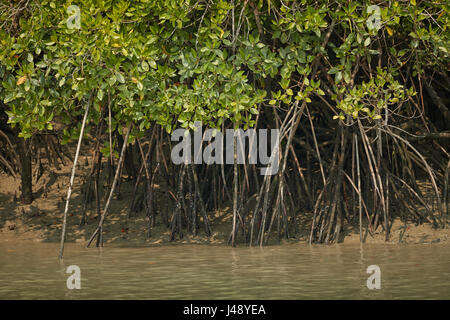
(359, 93)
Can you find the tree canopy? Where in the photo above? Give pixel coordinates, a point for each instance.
(176, 62)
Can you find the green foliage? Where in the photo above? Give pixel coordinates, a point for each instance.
(177, 62)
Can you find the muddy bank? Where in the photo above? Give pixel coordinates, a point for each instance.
(42, 220)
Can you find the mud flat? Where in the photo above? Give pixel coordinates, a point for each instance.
(42, 220)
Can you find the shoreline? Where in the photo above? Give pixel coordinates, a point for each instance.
(14, 231)
(41, 221)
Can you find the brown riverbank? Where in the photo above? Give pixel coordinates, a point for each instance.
(42, 220)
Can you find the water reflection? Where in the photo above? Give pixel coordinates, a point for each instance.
(33, 271)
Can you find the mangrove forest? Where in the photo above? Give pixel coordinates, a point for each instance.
(357, 93)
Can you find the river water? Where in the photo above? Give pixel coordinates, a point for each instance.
(32, 271)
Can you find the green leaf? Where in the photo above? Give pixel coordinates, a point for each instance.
(144, 66)
(120, 77)
(41, 64)
(100, 94)
(153, 64)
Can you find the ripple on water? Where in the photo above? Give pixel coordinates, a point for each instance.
(32, 271)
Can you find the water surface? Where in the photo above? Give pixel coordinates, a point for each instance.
(32, 271)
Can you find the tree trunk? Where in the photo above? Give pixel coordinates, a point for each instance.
(25, 170)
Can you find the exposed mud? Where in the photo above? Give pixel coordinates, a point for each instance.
(42, 220)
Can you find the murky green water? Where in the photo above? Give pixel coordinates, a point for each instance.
(32, 271)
